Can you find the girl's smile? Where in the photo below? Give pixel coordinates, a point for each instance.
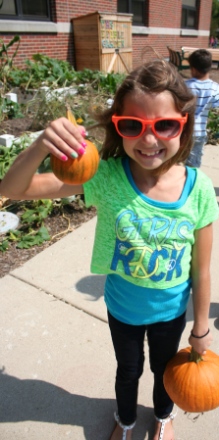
(150, 153)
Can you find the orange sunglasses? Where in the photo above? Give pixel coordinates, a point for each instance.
(130, 127)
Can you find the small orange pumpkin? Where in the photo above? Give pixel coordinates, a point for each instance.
(192, 381)
(79, 170)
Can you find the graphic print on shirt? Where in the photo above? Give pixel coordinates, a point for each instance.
(150, 248)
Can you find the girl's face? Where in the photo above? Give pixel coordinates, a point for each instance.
(148, 151)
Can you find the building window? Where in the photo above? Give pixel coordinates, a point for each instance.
(135, 7)
(25, 9)
(189, 14)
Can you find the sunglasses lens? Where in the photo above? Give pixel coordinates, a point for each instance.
(167, 128)
(129, 127)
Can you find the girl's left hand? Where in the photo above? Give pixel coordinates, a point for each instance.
(201, 344)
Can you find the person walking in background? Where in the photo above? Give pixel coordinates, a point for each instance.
(211, 41)
(207, 97)
(154, 227)
(215, 42)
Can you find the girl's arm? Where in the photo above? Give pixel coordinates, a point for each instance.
(201, 257)
(61, 138)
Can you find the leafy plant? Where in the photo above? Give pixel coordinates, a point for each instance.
(6, 66)
(33, 238)
(7, 157)
(43, 70)
(6, 60)
(108, 82)
(214, 17)
(213, 126)
(54, 73)
(32, 231)
(4, 245)
(10, 108)
(9, 154)
(41, 209)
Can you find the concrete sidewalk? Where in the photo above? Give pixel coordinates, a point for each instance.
(57, 361)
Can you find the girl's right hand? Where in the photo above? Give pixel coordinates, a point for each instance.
(63, 139)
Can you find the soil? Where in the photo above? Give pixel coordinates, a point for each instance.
(59, 223)
(16, 126)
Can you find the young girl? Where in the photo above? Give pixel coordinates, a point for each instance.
(154, 228)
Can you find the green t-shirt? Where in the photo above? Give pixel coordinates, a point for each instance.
(146, 242)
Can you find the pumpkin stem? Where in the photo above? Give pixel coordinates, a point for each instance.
(195, 357)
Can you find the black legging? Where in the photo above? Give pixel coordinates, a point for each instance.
(128, 341)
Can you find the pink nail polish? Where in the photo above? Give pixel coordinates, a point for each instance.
(81, 151)
(83, 144)
(64, 158)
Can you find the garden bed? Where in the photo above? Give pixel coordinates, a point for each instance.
(17, 126)
(59, 224)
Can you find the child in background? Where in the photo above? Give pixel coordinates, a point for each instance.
(154, 227)
(207, 95)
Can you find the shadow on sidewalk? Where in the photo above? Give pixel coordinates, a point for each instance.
(216, 191)
(37, 400)
(92, 285)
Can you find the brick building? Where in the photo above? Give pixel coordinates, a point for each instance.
(45, 26)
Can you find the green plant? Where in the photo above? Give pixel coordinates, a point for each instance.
(213, 126)
(4, 244)
(7, 157)
(32, 230)
(109, 82)
(39, 211)
(6, 66)
(54, 73)
(32, 238)
(10, 108)
(7, 59)
(43, 70)
(9, 154)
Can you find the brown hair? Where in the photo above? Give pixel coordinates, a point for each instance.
(201, 60)
(155, 76)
